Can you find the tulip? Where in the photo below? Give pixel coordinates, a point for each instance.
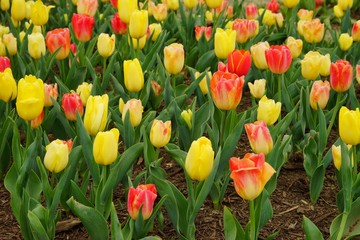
(135, 108)
(5, 5)
(105, 148)
(114, 3)
(291, 3)
(138, 24)
(239, 62)
(258, 54)
(300, 27)
(96, 114)
(209, 17)
(30, 97)
(226, 90)
(51, 91)
(87, 7)
(28, 5)
(250, 174)
(70, 103)
(59, 38)
(36, 45)
(121, 105)
(268, 111)
(310, 65)
(189, 4)
(241, 26)
(186, 115)
(203, 31)
(155, 86)
(357, 69)
(213, 3)
(83, 26)
(133, 75)
(174, 58)
(203, 83)
(224, 42)
(160, 12)
(278, 58)
(305, 14)
(106, 45)
(84, 90)
(338, 12)
(295, 46)
(118, 26)
(160, 133)
(313, 31)
(341, 76)
(345, 41)
(268, 17)
(40, 13)
(135, 42)
(199, 159)
(355, 32)
(273, 6)
(10, 43)
(319, 94)
(57, 155)
(126, 8)
(258, 89)
(345, 4)
(142, 195)
(155, 30)
(336, 154)
(251, 11)
(259, 137)
(2, 48)
(36, 122)
(18, 10)
(325, 65)
(172, 4)
(349, 125)
(279, 18)
(4, 63)
(8, 89)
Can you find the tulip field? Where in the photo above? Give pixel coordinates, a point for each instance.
(180, 119)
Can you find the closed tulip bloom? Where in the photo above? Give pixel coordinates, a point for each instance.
(133, 75)
(338, 12)
(226, 90)
(160, 12)
(138, 24)
(345, 4)
(349, 125)
(357, 70)
(51, 91)
(213, 3)
(325, 65)
(313, 31)
(336, 154)
(36, 45)
(186, 115)
(279, 18)
(174, 58)
(295, 46)
(36, 122)
(118, 26)
(10, 43)
(305, 14)
(4, 63)
(160, 133)
(84, 90)
(142, 195)
(258, 89)
(258, 54)
(106, 44)
(105, 148)
(18, 10)
(241, 28)
(291, 3)
(250, 174)
(8, 89)
(96, 114)
(28, 5)
(268, 111)
(30, 98)
(171, 4)
(57, 155)
(87, 7)
(251, 11)
(319, 94)
(345, 41)
(278, 58)
(40, 13)
(83, 26)
(310, 65)
(209, 17)
(239, 62)
(135, 109)
(300, 27)
(136, 44)
(156, 88)
(59, 38)
(189, 4)
(71, 103)
(2, 48)
(126, 8)
(203, 83)
(268, 18)
(355, 32)
(341, 76)
(224, 42)
(203, 31)
(155, 30)
(259, 137)
(5, 5)
(273, 6)
(199, 159)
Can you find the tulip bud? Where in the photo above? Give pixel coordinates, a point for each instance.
(155, 30)
(121, 105)
(156, 87)
(174, 58)
(36, 45)
(40, 13)
(259, 137)
(106, 44)
(279, 18)
(28, 5)
(5, 5)
(355, 32)
(268, 111)
(4, 63)
(59, 38)
(51, 91)
(96, 114)
(349, 125)
(203, 83)
(258, 89)
(172, 4)
(160, 133)
(84, 90)
(341, 76)
(18, 10)
(138, 24)
(135, 108)
(295, 46)
(10, 43)
(291, 3)
(200, 159)
(189, 4)
(224, 42)
(135, 42)
(142, 195)
(118, 26)
(187, 117)
(105, 148)
(273, 6)
(70, 103)
(338, 12)
(133, 75)
(268, 18)
(325, 65)
(305, 14)
(87, 7)
(8, 89)
(258, 54)
(203, 31)
(320, 93)
(336, 154)
(36, 122)
(357, 69)
(57, 155)
(345, 4)
(345, 41)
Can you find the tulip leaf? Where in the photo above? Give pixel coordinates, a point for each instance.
(346, 21)
(316, 183)
(150, 58)
(91, 218)
(37, 228)
(177, 154)
(129, 132)
(322, 132)
(46, 188)
(116, 233)
(205, 60)
(346, 176)
(4, 134)
(310, 156)
(79, 195)
(311, 230)
(200, 118)
(232, 228)
(284, 124)
(149, 151)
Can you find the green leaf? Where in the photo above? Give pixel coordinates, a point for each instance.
(116, 233)
(322, 132)
(37, 228)
(346, 177)
(4, 134)
(310, 156)
(311, 231)
(205, 60)
(79, 195)
(232, 228)
(316, 183)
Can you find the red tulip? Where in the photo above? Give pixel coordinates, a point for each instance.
(273, 6)
(4, 63)
(142, 195)
(83, 26)
(59, 38)
(202, 30)
(118, 26)
(71, 102)
(239, 62)
(278, 58)
(341, 75)
(251, 11)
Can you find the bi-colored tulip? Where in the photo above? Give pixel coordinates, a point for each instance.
(71, 103)
(133, 75)
(30, 98)
(138, 24)
(213, 3)
(245, 29)
(87, 7)
(36, 122)
(36, 45)
(226, 90)
(160, 133)
(336, 154)
(126, 8)
(319, 94)
(251, 11)
(355, 32)
(105, 148)
(8, 89)
(142, 195)
(4, 63)
(51, 91)
(250, 174)
(313, 31)
(203, 31)
(10, 43)
(106, 44)
(83, 26)
(160, 12)
(341, 75)
(199, 159)
(305, 14)
(174, 58)
(59, 38)
(84, 90)
(258, 89)
(118, 26)
(239, 62)
(57, 155)
(259, 137)
(357, 70)
(295, 46)
(224, 42)
(273, 6)
(96, 112)
(349, 125)
(291, 3)
(155, 30)
(268, 111)
(278, 58)
(18, 10)
(258, 54)
(203, 83)
(345, 41)
(40, 13)
(135, 108)
(186, 115)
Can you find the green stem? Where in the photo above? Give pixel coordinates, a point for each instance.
(252, 220)
(62, 70)
(222, 130)
(342, 226)
(253, 102)
(28, 134)
(336, 109)
(280, 80)
(104, 69)
(173, 83)
(137, 47)
(355, 162)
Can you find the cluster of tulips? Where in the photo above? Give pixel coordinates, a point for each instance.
(90, 89)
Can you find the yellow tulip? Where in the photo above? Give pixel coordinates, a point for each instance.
(10, 43)
(268, 111)
(224, 42)
(155, 30)
(258, 89)
(258, 54)
(345, 4)
(189, 4)
(325, 65)
(121, 105)
(18, 10)
(336, 154)
(310, 65)
(138, 24)
(268, 18)
(96, 114)
(106, 44)
(213, 3)
(295, 46)
(4, 30)
(2, 48)
(187, 116)
(135, 42)
(28, 9)
(8, 89)
(174, 58)
(126, 8)
(5, 5)
(84, 90)
(172, 4)
(338, 12)
(57, 155)
(349, 125)
(36, 45)
(105, 148)
(291, 3)
(203, 83)
(345, 41)
(133, 75)
(135, 108)
(40, 13)
(160, 133)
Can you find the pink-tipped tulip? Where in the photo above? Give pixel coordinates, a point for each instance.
(259, 137)
(142, 195)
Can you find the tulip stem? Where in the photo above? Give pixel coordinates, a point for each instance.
(28, 134)
(336, 109)
(252, 220)
(342, 225)
(355, 162)
(280, 81)
(104, 69)
(137, 47)
(223, 121)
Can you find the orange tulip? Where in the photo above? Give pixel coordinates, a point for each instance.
(239, 62)
(357, 69)
(278, 58)
(320, 93)
(341, 75)
(259, 137)
(59, 38)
